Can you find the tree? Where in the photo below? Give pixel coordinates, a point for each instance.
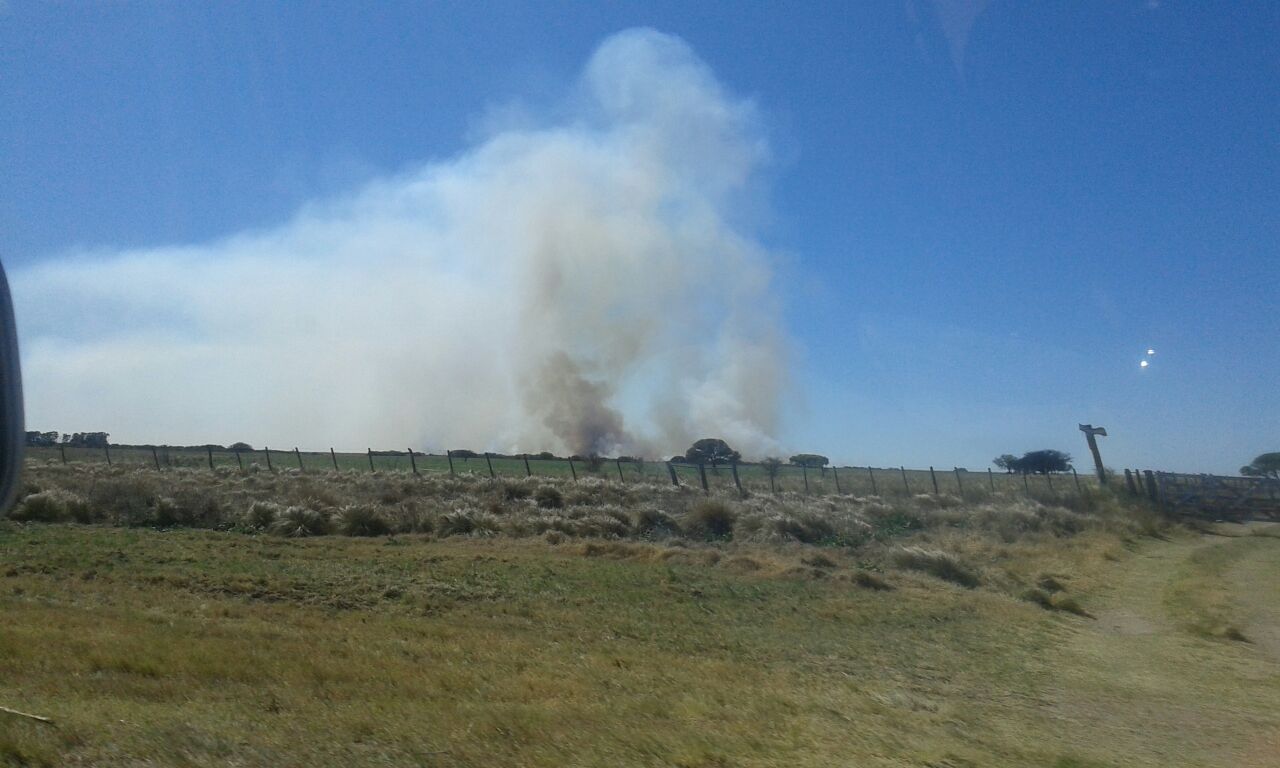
(810, 460)
(241, 447)
(42, 439)
(1006, 461)
(713, 451)
(1043, 462)
(1266, 465)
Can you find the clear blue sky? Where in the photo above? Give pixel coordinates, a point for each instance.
(981, 233)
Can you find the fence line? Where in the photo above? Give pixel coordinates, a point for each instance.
(742, 477)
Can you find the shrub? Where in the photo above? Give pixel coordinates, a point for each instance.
(52, 506)
(261, 515)
(651, 523)
(710, 519)
(548, 497)
(938, 564)
(297, 522)
(515, 491)
(361, 520)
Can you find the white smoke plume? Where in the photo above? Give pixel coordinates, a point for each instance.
(580, 286)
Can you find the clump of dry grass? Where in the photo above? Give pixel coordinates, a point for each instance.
(360, 520)
(942, 565)
(710, 519)
(51, 506)
(296, 522)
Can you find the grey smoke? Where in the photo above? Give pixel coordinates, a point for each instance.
(582, 285)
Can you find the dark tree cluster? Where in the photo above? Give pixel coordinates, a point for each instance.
(1266, 465)
(711, 450)
(1034, 462)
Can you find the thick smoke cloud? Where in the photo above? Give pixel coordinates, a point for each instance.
(584, 285)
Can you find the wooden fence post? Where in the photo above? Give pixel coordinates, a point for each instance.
(267, 452)
(991, 478)
(872, 474)
(1152, 493)
(934, 478)
(489, 461)
(1128, 483)
(1048, 478)
(736, 481)
(370, 453)
(804, 470)
(619, 463)
(1026, 484)
(413, 462)
(62, 449)
(155, 457)
(298, 455)
(239, 461)
(905, 486)
(107, 449)
(333, 456)
(449, 455)
(210, 451)
(959, 483)
(573, 471)
(1077, 479)
(702, 473)
(835, 474)
(527, 471)
(672, 471)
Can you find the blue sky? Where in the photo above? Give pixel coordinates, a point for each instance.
(975, 235)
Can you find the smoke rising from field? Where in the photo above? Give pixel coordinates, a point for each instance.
(581, 285)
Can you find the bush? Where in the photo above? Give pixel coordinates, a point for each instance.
(515, 491)
(710, 519)
(651, 523)
(52, 506)
(938, 564)
(548, 497)
(261, 515)
(297, 522)
(361, 520)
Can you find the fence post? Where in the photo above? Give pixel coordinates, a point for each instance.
(449, 455)
(1128, 483)
(991, 479)
(905, 486)
(959, 483)
(871, 474)
(333, 456)
(1077, 479)
(370, 453)
(1026, 484)
(835, 474)
(239, 461)
(619, 463)
(934, 478)
(573, 471)
(489, 461)
(1048, 478)
(62, 449)
(702, 474)
(155, 457)
(413, 462)
(672, 471)
(107, 449)
(298, 455)
(736, 481)
(210, 451)
(267, 452)
(1152, 493)
(804, 470)
(527, 471)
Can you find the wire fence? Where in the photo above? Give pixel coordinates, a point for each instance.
(742, 477)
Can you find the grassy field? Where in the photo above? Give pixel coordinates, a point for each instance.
(1098, 636)
(882, 481)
